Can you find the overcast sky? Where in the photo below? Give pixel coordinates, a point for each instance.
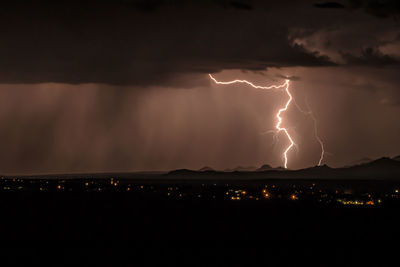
(92, 86)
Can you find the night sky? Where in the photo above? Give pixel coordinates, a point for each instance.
(99, 86)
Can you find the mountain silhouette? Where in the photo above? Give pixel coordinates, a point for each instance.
(397, 158)
(245, 169)
(382, 168)
(241, 169)
(359, 162)
(264, 167)
(205, 169)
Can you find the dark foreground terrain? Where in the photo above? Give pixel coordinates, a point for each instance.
(231, 212)
(118, 216)
(234, 222)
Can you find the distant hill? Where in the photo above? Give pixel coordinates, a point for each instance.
(183, 172)
(267, 167)
(376, 169)
(360, 161)
(380, 167)
(264, 167)
(242, 169)
(397, 158)
(383, 168)
(206, 168)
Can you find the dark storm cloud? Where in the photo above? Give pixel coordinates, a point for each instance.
(151, 5)
(378, 8)
(352, 37)
(329, 5)
(116, 42)
(370, 57)
(241, 5)
(156, 42)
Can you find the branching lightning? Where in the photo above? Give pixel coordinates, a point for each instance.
(278, 126)
(311, 114)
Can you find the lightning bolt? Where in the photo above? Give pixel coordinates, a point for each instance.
(278, 127)
(278, 115)
(317, 137)
(321, 158)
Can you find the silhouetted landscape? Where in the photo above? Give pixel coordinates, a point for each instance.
(354, 203)
(383, 168)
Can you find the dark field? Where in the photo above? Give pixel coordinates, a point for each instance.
(116, 216)
(198, 223)
(228, 212)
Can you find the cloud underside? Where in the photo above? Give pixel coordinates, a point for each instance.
(133, 43)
